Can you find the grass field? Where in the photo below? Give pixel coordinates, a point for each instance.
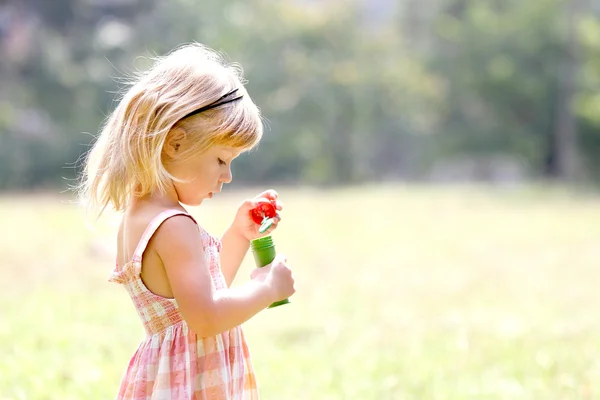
(403, 293)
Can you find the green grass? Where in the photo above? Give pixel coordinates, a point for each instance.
(403, 293)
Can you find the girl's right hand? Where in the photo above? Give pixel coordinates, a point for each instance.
(277, 276)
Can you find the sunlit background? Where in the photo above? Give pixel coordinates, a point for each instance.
(439, 162)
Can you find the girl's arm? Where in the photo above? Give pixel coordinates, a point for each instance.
(206, 310)
(235, 247)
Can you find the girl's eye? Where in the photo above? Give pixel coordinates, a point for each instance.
(221, 162)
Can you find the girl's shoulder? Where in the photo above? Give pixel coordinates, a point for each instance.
(140, 223)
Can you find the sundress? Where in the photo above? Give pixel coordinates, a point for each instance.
(173, 363)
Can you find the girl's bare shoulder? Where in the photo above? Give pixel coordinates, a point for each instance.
(134, 222)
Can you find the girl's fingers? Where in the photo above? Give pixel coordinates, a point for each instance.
(269, 194)
(259, 272)
(276, 220)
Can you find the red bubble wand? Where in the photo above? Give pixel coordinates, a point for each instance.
(264, 214)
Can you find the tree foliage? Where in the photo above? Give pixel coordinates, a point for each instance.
(351, 91)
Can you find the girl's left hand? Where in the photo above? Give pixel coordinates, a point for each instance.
(243, 223)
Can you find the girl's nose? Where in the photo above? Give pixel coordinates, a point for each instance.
(227, 177)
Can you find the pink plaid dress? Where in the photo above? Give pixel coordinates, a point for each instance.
(173, 363)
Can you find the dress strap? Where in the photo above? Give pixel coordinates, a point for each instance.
(151, 229)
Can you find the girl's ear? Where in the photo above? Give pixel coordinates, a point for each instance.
(174, 144)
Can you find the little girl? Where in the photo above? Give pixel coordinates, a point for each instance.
(170, 142)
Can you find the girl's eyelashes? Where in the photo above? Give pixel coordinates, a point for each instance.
(221, 162)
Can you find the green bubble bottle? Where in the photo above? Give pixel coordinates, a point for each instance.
(264, 253)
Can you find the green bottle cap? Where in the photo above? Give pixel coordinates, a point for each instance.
(265, 225)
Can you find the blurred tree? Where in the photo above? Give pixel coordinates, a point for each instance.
(565, 152)
(513, 74)
(587, 95)
(350, 91)
(55, 79)
(500, 61)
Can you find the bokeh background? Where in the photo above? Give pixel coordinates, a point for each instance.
(439, 162)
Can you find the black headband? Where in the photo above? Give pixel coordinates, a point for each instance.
(219, 102)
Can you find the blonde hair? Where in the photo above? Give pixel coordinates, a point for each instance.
(127, 158)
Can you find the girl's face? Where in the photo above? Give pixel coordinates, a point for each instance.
(203, 175)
